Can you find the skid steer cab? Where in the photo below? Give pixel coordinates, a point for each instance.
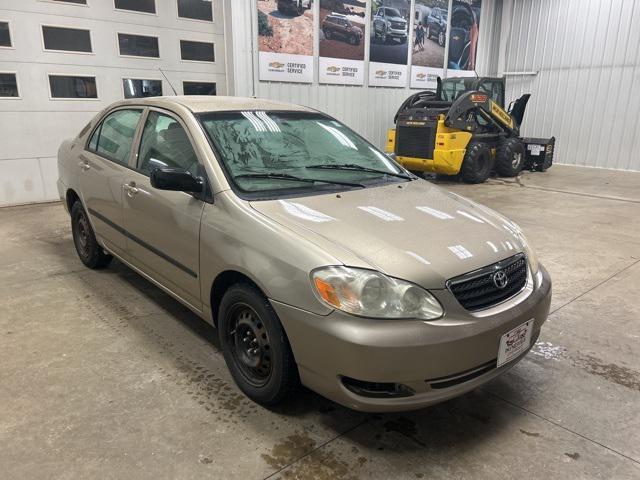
(461, 128)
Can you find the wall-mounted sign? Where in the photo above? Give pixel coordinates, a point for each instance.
(389, 39)
(342, 38)
(285, 37)
(429, 39)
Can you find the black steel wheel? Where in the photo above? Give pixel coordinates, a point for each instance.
(510, 157)
(87, 247)
(255, 346)
(477, 163)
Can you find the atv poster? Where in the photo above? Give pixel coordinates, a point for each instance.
(463, 38)
(389, 40)
(285, 38)
(429, 39)
(342, 27)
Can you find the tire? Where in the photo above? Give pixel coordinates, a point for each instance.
(255, 346)
(441, 38)
(428, 32)
(477, 163)
(383, 36)
(510, 157)
(84, 239)
(327, 34)
(353, 40)
(300, 8)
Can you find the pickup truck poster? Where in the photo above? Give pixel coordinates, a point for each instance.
(429, 40)
(285, 38)
(463, 40)
(389, 40)
(342, 30)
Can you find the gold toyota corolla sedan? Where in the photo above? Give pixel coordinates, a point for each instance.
(318, 258)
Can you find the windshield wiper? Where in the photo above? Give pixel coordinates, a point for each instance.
(359, 168)
(286, 176)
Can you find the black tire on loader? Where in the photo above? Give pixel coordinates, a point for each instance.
(510, 157)
(477, 163)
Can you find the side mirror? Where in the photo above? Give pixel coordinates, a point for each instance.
(175, 179)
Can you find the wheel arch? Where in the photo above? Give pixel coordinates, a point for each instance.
(223, 281)
(70, 198)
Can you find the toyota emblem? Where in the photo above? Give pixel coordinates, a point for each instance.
(500, 279)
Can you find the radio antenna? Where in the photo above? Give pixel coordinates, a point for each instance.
(168, 81)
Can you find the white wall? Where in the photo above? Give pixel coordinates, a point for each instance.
(585, 93)
(368, 110)
(32, 127)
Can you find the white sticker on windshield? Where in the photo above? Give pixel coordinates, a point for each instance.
(304, 212)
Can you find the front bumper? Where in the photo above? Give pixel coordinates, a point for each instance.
(397, 33)
(409, 352)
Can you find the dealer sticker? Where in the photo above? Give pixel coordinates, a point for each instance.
(515, 342)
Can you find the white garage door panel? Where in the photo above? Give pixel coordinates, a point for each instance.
(27, 180)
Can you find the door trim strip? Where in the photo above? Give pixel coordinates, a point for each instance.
(144, 244)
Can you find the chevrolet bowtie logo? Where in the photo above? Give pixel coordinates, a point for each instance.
(380, 73)
(421, 76)
(333, 69)
(276, 65)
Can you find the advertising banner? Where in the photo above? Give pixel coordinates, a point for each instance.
(342, 27)
(285, 37)
(429, 39)
(463, 39)
(389, 37)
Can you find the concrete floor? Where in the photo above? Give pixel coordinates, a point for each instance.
(103, 375)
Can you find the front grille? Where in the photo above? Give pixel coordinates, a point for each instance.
(397, 25)
(417, 142)
(478, 290)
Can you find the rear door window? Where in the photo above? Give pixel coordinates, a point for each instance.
(114, 137)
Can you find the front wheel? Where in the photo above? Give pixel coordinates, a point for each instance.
(477, 163)
(300, 9)
(327, 34)
(88, 248)
(428, 33)
(441, 38)
(353, 40)
(510, 157)
(255, 346)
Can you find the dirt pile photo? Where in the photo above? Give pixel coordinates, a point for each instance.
(286, 26)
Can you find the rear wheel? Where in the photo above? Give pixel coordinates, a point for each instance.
(255, 346)
(353, 40)
(88, 248)
(327, 34)
(510, 157)
(477, 163)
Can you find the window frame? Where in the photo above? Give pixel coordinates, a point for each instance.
(122, 79)
(118, 33)
(155, 6)
(75, 99)
(11, 39)
(209, 22)
(205, 62)
(67, 2)
(200, 81)
(73, 52)
(19, 97)
(136, 135)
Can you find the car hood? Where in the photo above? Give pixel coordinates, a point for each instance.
(414, 230)
(396, 19)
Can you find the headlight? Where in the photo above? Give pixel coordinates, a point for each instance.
(368, 293)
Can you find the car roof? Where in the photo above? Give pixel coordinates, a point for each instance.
(209, 103)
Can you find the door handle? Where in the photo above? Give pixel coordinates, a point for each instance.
(130, 188)
(84, 166)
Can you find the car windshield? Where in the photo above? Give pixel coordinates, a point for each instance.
(278, 153)
(392, 12)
